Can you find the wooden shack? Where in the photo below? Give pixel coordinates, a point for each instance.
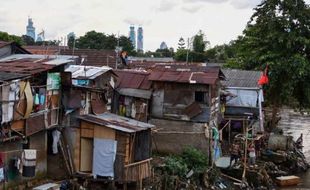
(114, 147)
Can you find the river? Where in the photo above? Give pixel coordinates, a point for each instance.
(294, 123)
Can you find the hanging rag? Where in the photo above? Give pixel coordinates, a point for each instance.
(56, 138)
(133, 110)
(1, 174)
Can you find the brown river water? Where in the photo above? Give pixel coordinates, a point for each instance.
(294, 123)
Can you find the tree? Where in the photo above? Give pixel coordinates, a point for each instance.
(92, 40)
(199, 42)
(98, 40)
(278, 35)
(27, 40)
(71, 41)
(4, 36)
(181, 44)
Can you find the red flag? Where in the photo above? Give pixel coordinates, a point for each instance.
(264, 78)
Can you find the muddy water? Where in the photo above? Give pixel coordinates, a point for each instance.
(294, 124)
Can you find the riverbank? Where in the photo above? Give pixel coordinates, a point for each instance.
(294, 123)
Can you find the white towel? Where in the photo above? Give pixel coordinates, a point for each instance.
(30, 154)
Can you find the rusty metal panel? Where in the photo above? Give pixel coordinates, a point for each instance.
(133, 79)
(193, 110)
(35, 124)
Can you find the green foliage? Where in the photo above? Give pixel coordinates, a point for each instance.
(191, 158)
(4, 36)
(199, 42)
(176, 166)
(164, 52)
(71, 42)
(181, 55)
(99, 40)
(195, 159)
(278, 35)
(27, 40)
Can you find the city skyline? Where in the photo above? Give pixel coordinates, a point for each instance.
(165, 20)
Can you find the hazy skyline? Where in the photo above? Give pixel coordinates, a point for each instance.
(162, 20)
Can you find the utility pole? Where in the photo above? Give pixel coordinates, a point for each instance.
(117, 49)
(187, 51)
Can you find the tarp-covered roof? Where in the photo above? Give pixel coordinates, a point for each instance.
(87, 72)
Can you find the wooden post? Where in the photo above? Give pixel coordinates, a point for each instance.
(245, 152)
(229, 131)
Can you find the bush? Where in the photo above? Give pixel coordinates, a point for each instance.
(195, 159)
(176, 166)
(191, 158)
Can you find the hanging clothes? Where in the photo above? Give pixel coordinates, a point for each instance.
(133, 110)
(56, 137)
(29, 157)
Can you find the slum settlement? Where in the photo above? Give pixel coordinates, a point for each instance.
(72, 120)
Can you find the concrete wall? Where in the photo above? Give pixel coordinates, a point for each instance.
(174, 136)
(13, 149)
(38, 141)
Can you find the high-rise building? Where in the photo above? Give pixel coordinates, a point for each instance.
(30, 30)
(132, 36)
(140, 39)
(163, 45)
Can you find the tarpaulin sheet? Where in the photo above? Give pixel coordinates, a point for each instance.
(104, 157)
(246, 98)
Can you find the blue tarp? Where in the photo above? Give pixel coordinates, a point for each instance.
(104, 157)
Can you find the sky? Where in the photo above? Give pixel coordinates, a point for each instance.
(162, 20)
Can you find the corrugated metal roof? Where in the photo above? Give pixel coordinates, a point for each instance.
(87, 72)
(133, 79)
(32, 64)
(7, 76)
(186, 74)
(45, 50)
(241, 78)
(93, 57)
(146, 94)
(116, 122)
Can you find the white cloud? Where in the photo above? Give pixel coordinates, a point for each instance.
(164, 20)
(166, 5)
(192, 8)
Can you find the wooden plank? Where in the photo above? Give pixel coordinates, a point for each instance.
(87, 133)
(77, 149)
(87, 125)
(86, 155)
(18, 125)
(87, 130)
(104, 132)
(287, 180)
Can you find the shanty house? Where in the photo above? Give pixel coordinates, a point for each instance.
(30, 96)
(9, 48)
(185, 105)
(88, 90)
(241, 100)
(115, 147)
(132, 95)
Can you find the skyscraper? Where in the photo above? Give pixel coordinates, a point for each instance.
(163, 45)
(140, 39)
(132, 36)
(30, 30)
